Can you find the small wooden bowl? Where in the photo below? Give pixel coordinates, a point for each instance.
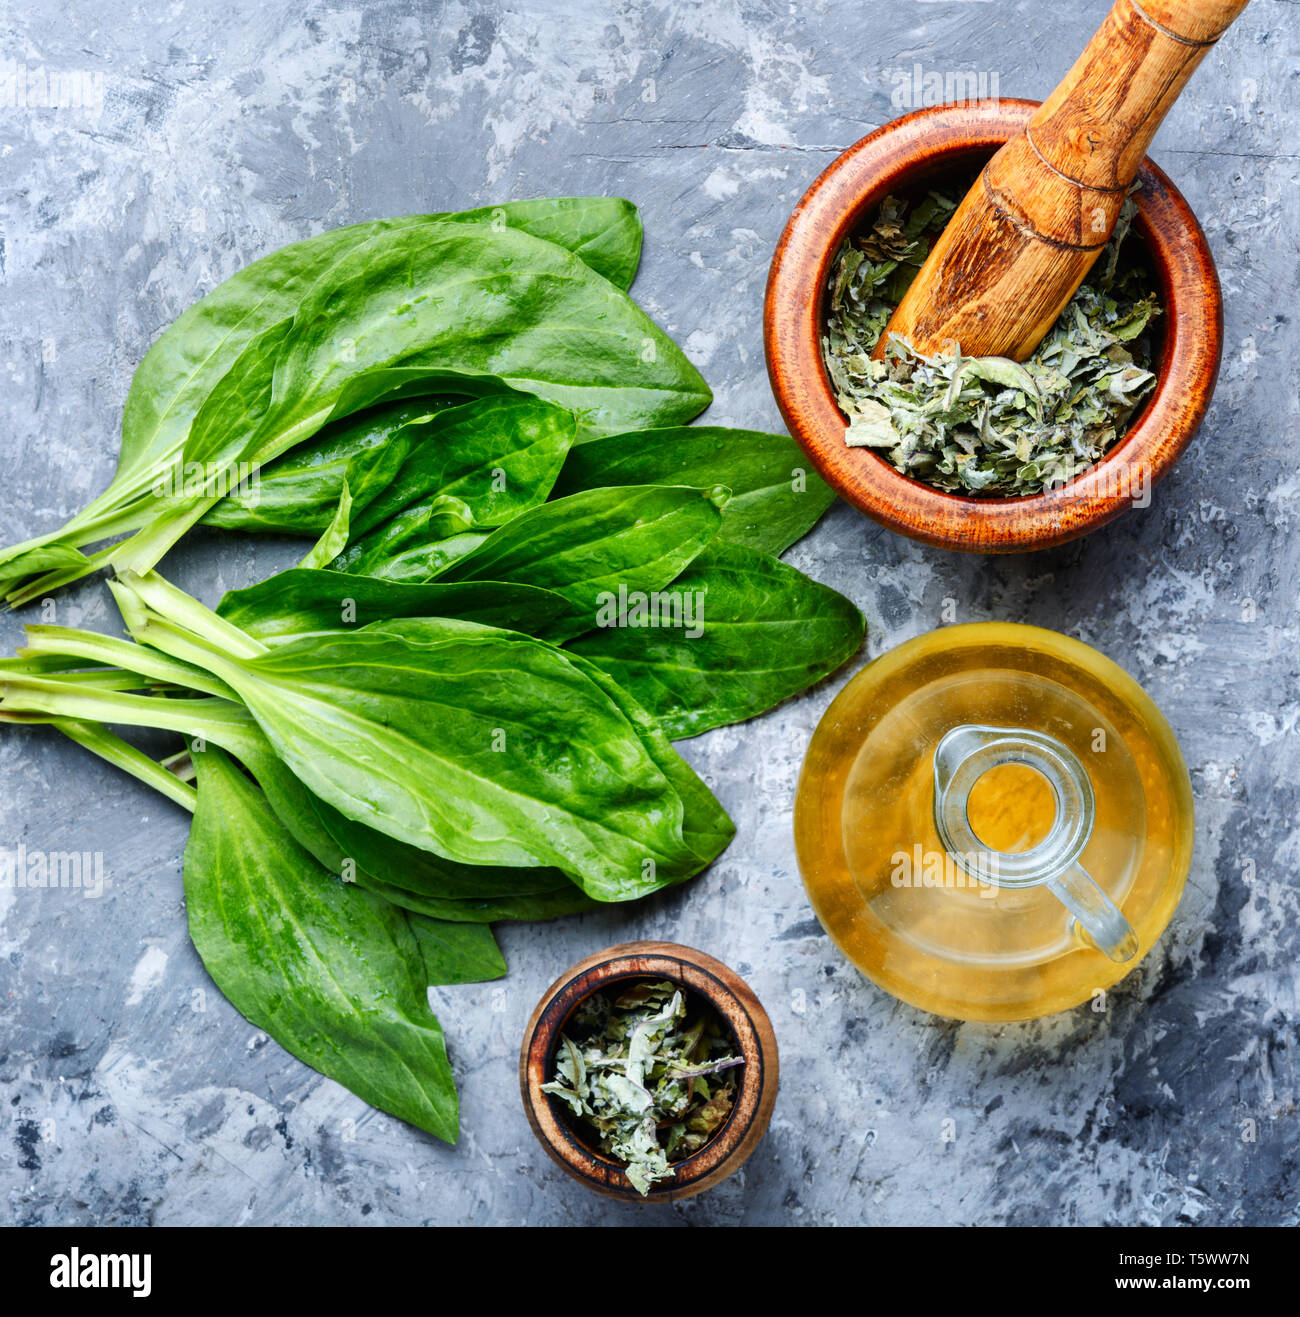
(737, 1007)
(925, 148)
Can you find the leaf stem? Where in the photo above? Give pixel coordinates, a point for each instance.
(216, 720)
(103, 679)
(146, 548)
(55, 580)
(89, 645)
(129, 758)
(162, 599)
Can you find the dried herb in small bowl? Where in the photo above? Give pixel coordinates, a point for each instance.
(985, 425)
(650, 1068)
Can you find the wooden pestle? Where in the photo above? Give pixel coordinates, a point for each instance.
(1043, 208)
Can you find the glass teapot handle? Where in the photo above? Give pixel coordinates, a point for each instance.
(961, 758)
(1097, 915)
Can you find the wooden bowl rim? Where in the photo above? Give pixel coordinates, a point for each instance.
(835, 205)
(735, 1003)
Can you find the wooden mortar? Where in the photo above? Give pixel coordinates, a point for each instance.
(927, 148)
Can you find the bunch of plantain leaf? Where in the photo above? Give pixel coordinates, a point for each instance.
(529, 577)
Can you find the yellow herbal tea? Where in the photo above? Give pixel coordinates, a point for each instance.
(1077, 837)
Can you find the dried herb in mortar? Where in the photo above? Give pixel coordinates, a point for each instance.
(985, 425)
(650, 1070)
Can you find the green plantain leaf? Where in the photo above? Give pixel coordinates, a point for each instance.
(199, 347)
(707, 827)
(566, 899)
(446, 305)
(184, 365)
(776, 496)
(498, 456)
(416, 543)
(500, 304)
(297, 493)
(483, 746)
(298, 601)
(334, 537)
(457, 953)
(45, 558)
(765, 633)
(305, 817)
(412, 878)
(401, 553)
(333, 973)
(588, 545)
(603, 232)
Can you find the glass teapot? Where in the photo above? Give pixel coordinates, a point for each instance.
(994, 822)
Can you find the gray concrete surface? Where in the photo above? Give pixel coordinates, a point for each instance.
(210, 133)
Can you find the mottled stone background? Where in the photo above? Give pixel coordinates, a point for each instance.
(215, 132)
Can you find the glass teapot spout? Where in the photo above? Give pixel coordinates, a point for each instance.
(961, 758)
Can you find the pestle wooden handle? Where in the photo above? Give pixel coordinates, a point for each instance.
(1038, 216)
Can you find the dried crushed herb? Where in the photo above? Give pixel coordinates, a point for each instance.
(650, 1070)
(986, 425)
